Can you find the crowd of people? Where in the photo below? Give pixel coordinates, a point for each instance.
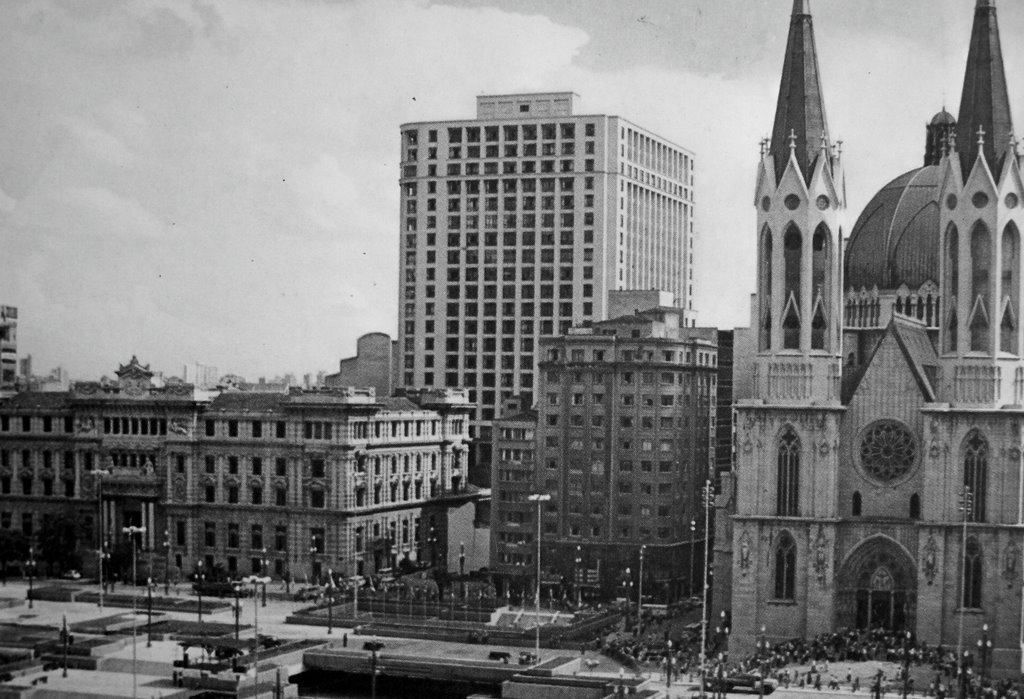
(920, 668)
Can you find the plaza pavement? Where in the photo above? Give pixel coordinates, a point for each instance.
(162, 653)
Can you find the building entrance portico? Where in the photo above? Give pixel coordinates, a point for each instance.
(877, 587)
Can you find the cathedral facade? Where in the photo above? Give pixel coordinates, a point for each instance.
(878, 462)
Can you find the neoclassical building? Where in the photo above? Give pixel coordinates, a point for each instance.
(293, 483)
(888, 378)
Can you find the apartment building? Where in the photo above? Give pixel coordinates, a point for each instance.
(623, 443)
(515, 225)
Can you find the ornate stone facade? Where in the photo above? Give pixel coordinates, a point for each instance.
(851, 481)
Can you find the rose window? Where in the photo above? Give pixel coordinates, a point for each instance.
(888, 450)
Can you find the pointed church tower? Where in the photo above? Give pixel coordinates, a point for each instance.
(800, 191)
(787, 433)
(980, 339)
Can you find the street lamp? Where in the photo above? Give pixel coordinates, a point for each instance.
(167, 562)
(640, 596)
(706, 500)
(723, 631)
(330, 601)
(30, 568)
(577, 574)
(966, 507)
(906, 662)
(312, 561)
(628, 585)
(462, 569)
(263, 572)
(237, 587)
(985, 650)
(693, 543)
(762, 652)
(538, 498)
(200, 577)
(256, 580)
(132, 532)
(432, 540)
(101, 555)
(148, 612)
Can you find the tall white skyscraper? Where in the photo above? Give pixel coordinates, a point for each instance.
(515, 225)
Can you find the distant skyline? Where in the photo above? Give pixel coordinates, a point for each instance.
(217, 183)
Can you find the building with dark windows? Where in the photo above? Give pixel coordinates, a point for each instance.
(513, 516)
(307, 480)
(879, 473)
(8, 349)
(624, 445)
(515, 225)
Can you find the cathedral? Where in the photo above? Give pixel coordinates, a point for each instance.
(879, 479)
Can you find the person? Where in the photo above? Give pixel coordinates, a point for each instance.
(856, 684)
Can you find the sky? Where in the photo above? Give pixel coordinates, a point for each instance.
(216, 182)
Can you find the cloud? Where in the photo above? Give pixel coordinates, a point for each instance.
(217, 182)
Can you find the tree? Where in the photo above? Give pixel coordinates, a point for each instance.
(13, 547)
(58, 541)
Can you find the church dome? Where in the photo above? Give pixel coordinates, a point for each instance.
(943, 118)
(896, 239)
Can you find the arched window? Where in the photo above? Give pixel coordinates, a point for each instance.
(1010, 281)
(971, 588)
(856, 503)
(792, 248)
(766, 290)
(953, 285)
(915, 506)
(788, 474)
(820, 284)
(785, 567)
(981, 303)
(976, 473)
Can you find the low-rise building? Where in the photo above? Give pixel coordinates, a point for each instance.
(290, 483)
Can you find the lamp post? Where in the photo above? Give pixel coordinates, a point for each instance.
(706, 499)
(640, 596)
(462, 569)
(577, 574)
(200, 577)
(263, 573)
(98, 475)
(762, 651)
(693, 543)
(985, 651)
(330, 601)
(538, 498)
(432, 540)
(906, 662)
(966, 506)
(723, 631)
(132, 532)
(30, 568)
(668, 664)
(237, 587)
(167, 563)
(149, 612)
(256, 580)
(64, 639)
(312, 561)
(101, 556)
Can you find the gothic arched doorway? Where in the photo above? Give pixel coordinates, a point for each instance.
(877, 587)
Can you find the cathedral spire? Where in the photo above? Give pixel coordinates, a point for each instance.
(801, 106)
(984, 103)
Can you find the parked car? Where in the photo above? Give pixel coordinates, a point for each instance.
(304, 594)
(745, 683)
(72, 575)
(527, 658)
(220, 589)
